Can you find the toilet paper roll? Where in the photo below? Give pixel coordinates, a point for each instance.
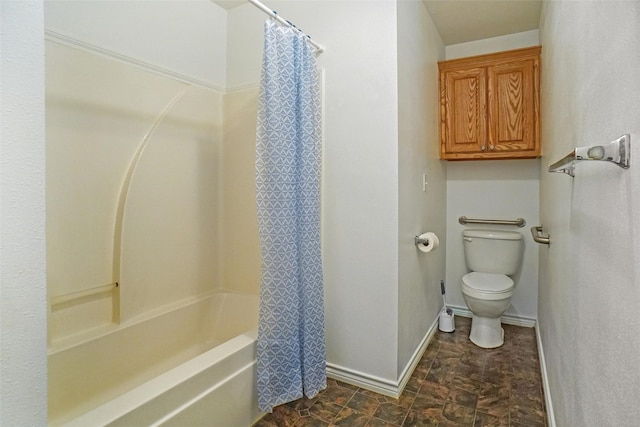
(431, 243)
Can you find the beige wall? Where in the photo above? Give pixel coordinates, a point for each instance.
(240, 250)
(500, 189)
(188, 221)
(150, 184)
(419, 274)
(186, 37)
(360, 169)
(171, 221)
(100, 113)
(23, 371)
(493, 44)
(590, 273)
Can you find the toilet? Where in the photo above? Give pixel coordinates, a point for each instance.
(493, 257)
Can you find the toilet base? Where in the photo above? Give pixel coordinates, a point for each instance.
(486, 332)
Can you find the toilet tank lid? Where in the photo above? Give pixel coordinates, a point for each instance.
(492, 234)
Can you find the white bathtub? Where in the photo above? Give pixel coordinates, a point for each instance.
(154, 372)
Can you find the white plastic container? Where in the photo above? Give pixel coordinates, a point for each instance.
(446, 322)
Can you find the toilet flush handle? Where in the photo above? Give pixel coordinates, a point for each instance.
(468, 239)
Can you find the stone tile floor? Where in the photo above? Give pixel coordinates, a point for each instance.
(454, 384)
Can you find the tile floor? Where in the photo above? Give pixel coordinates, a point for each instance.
(454, 384)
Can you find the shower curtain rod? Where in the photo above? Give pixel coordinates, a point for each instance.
(283, 21)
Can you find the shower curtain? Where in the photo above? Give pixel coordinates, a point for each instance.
(291, 349)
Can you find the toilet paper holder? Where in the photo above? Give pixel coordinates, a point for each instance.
(426, 242)
(420, 241)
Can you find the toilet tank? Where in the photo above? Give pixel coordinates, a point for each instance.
(493, 251)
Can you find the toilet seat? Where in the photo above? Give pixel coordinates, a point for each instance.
(487, 286)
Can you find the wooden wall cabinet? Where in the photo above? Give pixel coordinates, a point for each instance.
(490, 106)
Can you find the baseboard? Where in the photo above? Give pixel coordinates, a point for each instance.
(551, 419)
(417, 355)
(507, 319)
(360, 379)
(381, 385)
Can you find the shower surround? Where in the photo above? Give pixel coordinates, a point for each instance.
(144, 217)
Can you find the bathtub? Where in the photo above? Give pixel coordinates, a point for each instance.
(192, 365)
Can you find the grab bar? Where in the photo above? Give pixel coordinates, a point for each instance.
(617, 152)
(538, 236)
(78, 295)
(520, 222)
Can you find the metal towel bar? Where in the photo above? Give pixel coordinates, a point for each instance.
(617, 152)
(520, 222)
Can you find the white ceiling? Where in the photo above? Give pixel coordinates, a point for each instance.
(460, 21)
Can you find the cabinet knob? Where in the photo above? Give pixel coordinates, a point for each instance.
(483, 148)
(491, 147)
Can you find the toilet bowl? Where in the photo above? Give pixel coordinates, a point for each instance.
(492, 256)
(488, 296)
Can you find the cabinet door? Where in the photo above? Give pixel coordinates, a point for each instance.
(463, 112)
(513, 109)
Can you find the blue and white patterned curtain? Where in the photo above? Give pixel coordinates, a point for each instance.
(291, 347)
